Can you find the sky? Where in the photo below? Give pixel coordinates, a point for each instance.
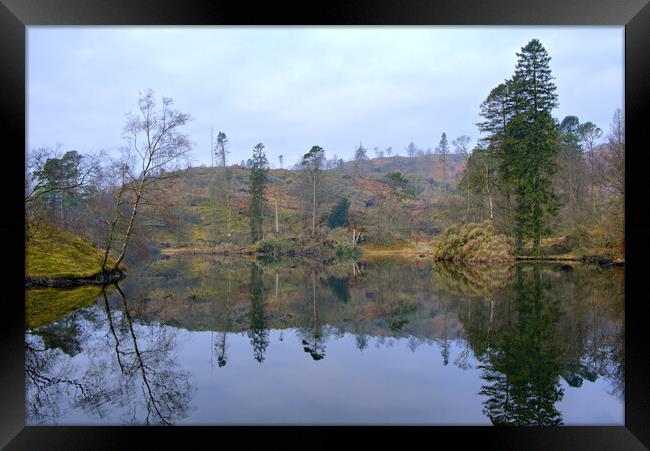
(294, 87)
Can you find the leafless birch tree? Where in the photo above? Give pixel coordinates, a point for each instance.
(154, 143)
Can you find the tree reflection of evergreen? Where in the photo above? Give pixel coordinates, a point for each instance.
(523, 361)
(258, 330)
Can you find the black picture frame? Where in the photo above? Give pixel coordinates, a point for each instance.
(16, 15)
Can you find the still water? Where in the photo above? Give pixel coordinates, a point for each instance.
(208, 340)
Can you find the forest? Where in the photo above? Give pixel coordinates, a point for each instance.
(529, 186)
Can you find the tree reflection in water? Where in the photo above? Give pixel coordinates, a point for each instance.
(221, 346)
(146, 375)
(525, 331)
(258, 332)
(314, 337)
(522, 363)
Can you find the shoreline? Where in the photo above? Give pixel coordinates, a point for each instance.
(404, 252)
(588, 260)
(99, 278)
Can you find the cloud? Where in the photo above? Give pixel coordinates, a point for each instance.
(293, 87)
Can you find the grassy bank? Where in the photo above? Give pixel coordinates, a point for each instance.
(53, 253)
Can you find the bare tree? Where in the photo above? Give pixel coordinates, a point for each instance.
(154, 143)
(615, 157)
(461, 146)
(411, 150)
(589, 135)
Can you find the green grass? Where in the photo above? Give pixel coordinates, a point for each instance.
(45, 305)
(55, 253)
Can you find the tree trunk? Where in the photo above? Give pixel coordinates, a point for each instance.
(313, 282)
(277, 227)
(487, 187)
(129, 229)
(62, 212)
(313, 216)
(467, 216)
(229, 215)
(111, 228)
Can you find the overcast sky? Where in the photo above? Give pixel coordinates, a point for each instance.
(294, 87)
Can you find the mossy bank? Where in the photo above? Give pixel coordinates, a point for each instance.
(57, 258)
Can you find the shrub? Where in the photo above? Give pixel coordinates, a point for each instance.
(346, 251)
(473, 243)
(277, 246)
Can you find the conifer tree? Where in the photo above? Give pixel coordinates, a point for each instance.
(443, 151)
(221, 151)
(312, 162)
(535, 143)
(258, 179)
(526, 141)
(339, 215)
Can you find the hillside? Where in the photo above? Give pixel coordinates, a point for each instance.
(196, 212)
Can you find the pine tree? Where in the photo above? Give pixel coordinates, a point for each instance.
(312, 162)
(497, 110)
(258, 178)
(443, 150)
(339, 215)
(221, 151)
(221, 148)
(526, 141)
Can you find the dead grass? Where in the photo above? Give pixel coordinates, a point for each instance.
(473, 243)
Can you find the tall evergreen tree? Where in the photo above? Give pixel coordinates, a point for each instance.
(312, 161)
(443, 151)
(258, 180)
(497, 110)
(530, 144)
(258, 331)
(224, 183)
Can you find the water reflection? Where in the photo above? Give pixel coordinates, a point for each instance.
(524, 334)
(139, 375)
(258, 332)
(522, 363)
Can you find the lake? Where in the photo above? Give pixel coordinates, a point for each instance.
(212, 340)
